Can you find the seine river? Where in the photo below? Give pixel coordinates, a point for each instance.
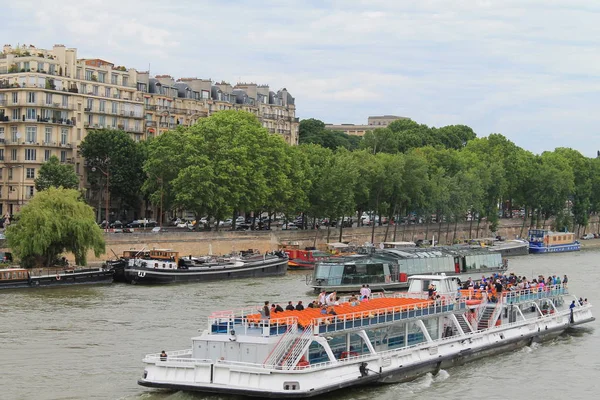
(88, 342)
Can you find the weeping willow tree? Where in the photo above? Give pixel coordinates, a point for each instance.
(54, 222)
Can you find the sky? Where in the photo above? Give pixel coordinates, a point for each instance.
(528, 69)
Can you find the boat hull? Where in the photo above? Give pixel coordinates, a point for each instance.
(300, 265)
(78, 277)
(249, 269)
(555, 249)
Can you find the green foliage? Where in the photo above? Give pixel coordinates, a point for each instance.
(314, 131)
(53, 222)
(54, 174)
(115, 153)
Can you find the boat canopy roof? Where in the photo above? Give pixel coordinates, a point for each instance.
(387, 245)
(338, 245)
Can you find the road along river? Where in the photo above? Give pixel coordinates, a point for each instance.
(88, 342)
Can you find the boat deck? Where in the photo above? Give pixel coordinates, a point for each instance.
(366, 313)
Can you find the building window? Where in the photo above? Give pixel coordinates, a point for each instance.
(16, 114)
(78, 133)
(113, 79)
(14, 134)
(30, 154)
(125, 80)
(102, 121)
(65, 100)
(13, 154)
(51, 69)
(15, 97)
(10, 176)
(114, 122)
(63, 135)
(107, 92)
(1, 154)
(88, 75)
(30, 97)
(63, 156)
(90, 104)
(84, 88)
(30, 172)
(48, 134)
(1, 173)
(2, 133)
(95, 90)
(115, 107)
(30, 190)
(102, 106)
(101, 77)
(77, 168)
(47, 155)
(31, 114)
(90, 119)
(48, 98)
(31, 134)
(46, 114)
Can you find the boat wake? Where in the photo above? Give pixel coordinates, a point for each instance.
(424, 382)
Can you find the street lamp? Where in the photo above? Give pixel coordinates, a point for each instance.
(106, 173)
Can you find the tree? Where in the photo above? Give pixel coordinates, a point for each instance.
(162, 166)
(53, 222)
(113, 154)
(314, 131)
(54, 174)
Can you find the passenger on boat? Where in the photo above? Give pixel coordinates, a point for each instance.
(565, 281)
(322, 297)
(299, 306)
(331, 299)
(313, 304)
(278, 308)
(331, 311)
(163, 356)
(290, 306)
(323, 309)
(265, 313)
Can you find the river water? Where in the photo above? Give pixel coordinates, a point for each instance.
(88, 342)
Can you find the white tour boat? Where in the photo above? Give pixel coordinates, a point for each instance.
(387, 339)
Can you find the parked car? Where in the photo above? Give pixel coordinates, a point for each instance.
(117, 224)
(158, 229)
(587, 236)
(289, 226)
(142, 223)
(227, 223)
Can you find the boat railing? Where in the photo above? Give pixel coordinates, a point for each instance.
(183, 356)
(359, 319)
(517, 296)
(282, 347)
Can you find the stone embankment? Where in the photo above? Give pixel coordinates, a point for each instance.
(200, 243)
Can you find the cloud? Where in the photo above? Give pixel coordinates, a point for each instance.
(523, 68)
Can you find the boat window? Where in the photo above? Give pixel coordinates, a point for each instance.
(317, 354)
(415, 335)
(432, 327)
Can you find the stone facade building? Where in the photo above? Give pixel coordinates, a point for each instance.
(360, 130)
(49, 99)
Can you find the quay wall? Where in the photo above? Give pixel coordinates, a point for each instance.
(223, 242)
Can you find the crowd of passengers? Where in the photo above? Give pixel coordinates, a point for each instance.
(326, 302)
(498, 283)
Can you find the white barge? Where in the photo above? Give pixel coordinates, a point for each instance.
(388, 339)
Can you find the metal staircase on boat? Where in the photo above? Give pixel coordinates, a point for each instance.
(290, 348)
(484, 319)
(464, 324)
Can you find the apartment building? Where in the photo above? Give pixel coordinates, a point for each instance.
(373, 122)
(49, 99)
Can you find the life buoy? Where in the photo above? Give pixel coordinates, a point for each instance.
(473, 302)
(141, 274)
(303, 363)
(57, 277)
